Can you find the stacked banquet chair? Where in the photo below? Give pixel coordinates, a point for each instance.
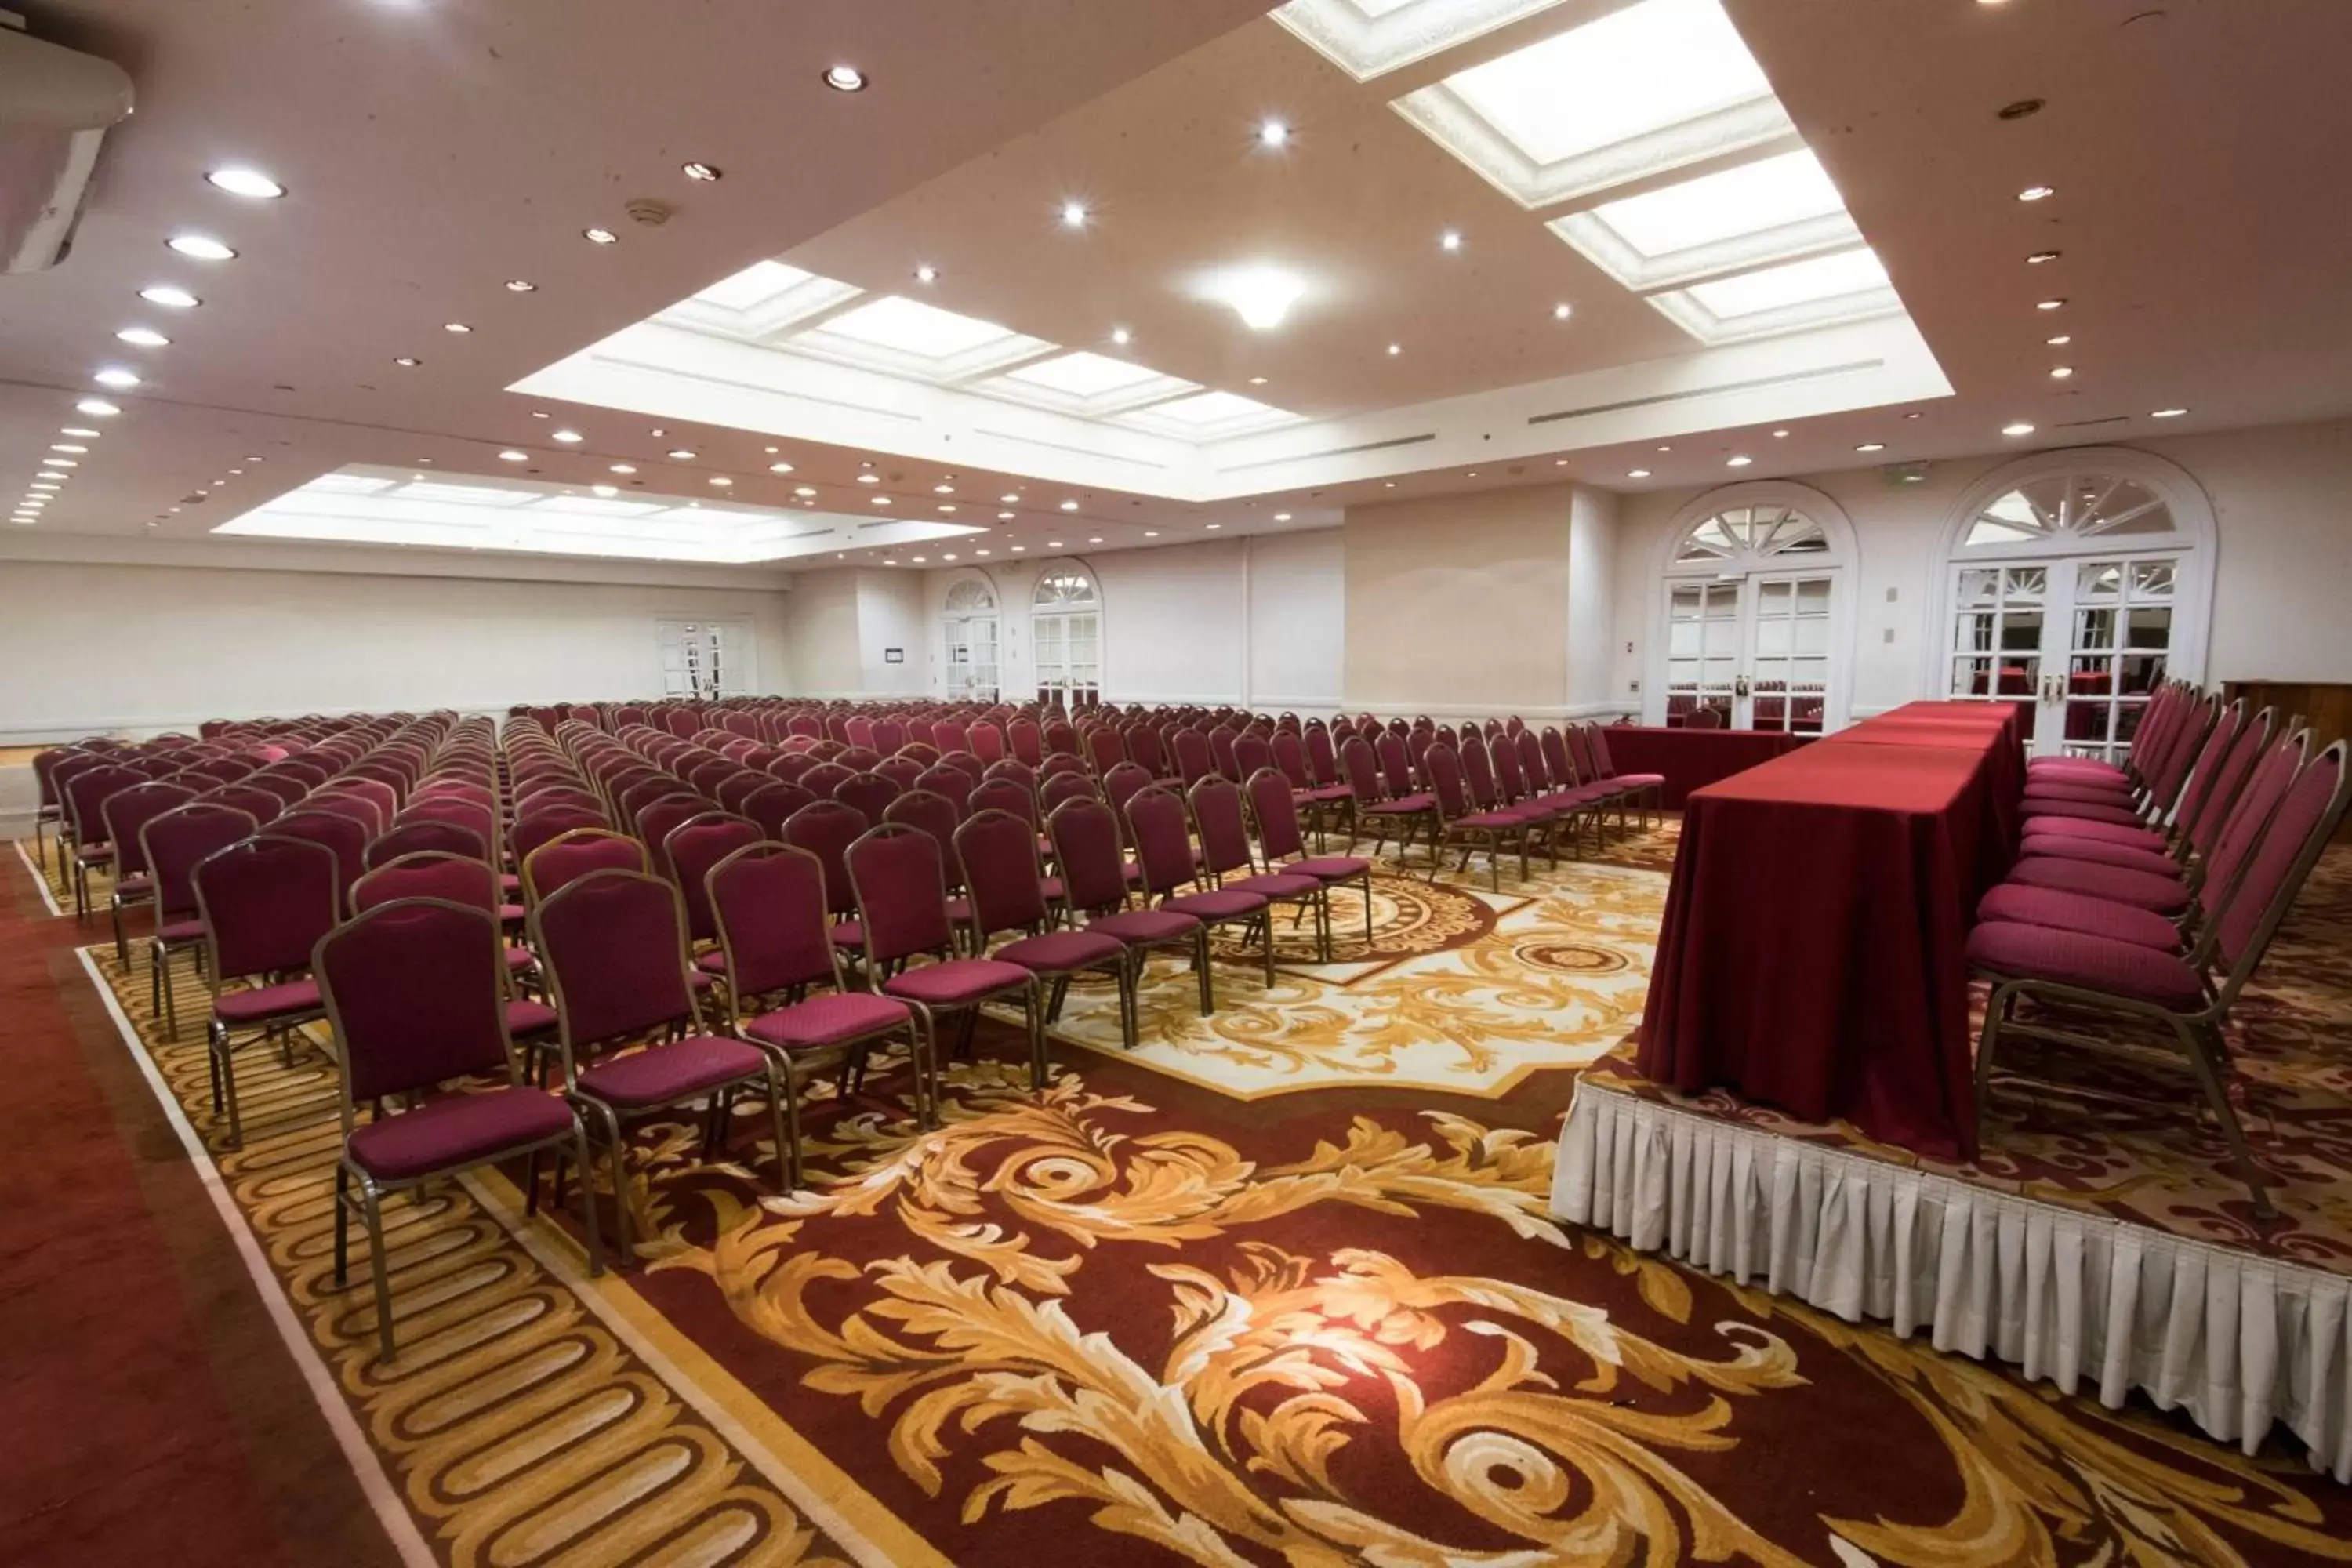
(2149, 892)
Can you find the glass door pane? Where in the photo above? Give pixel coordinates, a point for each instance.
(1999, 617)
(1788, 658)
(2121, 642)
(1702, 652)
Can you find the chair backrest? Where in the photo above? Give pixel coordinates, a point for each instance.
(2221, 777)
(1011, 768)
(1217, 816)
(1251, 752)
(953, 783)
(1703, 718)
(1143, 749)
(658, 819)
(768, 902)
(1442, 766)
(1119, 784)
(986, 739)
(885, 735)
(345, 836)
(1362, 770)
(1558, 760)
(1163, 848)
(1086, 838)
(173, 842)
(1477, 771)
(1580, 753)
(1059, 787)
(1105, 750)
(1194, 760)
(935, 815)
(1503, 755)
(574, 853)
(1061, 736)
(825, 778)
(613, 945)
(1006, 794)
(464, 812)
(826, 828)
(869, 795)
(535, 827)
(899, 880)
(383, 794)
(409, 838)
(705, 777)
(127, 811)
(1322, 756)
(415, 992)
(738, 786)
(86, 794)
(429, 874)
(1222, 742)
(902, 770)
(265, 901)
(1276, 814)
(2274, 866)
(1396, 764)
(1533, 767)
(1027, 740)
(996, 852)
(692, 849)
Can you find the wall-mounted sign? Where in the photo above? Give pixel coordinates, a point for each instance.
(894, 656)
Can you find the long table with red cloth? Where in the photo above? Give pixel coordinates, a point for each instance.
(1811, 956)
(1690, 759)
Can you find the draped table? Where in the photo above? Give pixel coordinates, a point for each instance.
(1688, 759)
(1810, 955)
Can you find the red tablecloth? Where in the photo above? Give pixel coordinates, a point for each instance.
(1693, 758)
(1811, 953)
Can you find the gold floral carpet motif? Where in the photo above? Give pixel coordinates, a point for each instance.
(1139, 1319)
(2124, 1133)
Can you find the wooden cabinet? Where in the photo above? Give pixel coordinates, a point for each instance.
(2324, 705)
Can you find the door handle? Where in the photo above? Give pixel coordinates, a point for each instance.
(1740, 686)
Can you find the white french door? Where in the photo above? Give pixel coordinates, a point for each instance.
(2082, 642)
(1754, 651)
(971, 659)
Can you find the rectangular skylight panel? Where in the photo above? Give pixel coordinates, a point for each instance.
(350, 484)
(596, 506)
(1084, 374)
(1749, 199)
(1216, 408)
(754, 286)
(1798, 284)
(910, 327)
(467, 495)
(1631, 72)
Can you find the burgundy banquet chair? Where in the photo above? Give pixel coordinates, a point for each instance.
(265, 901)
(1004, 887)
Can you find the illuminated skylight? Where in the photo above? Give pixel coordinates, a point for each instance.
(1210, 416)
(1827, 290)
(1085, 375)
(910, 327)
(1369, 37)
(1775, 209)
(753, 287)
(1655, 86)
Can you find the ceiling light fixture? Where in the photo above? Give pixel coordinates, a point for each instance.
(701, 172)
(2019, 428)
(115, 376)
(512, 455)
(943, 489)
(1020, 550)
(2039, 257)
(869, 478)
(203, 247)
(1872, 447)
(600, 237)
(927, 273)
(408, 361)
(1780, 435)
(1004, 516)
(946, 506)
(2050, 304)
(455, 327)
(1261, 295)
(521, 286)
(77, 430)
(720, 480)
(806, 492)
(844, 78)
(252, 182)
(1073, 215)
(570, 437)
(1053, 544)
(1396, 349)
(2061, 340)
(607, 491)
(1450, 240)
(881, 501)
(171, 298)
(1121, 336)
(1282, 517)
(2061, 372)
(143, 337)
(96, 409)
(624, 467)
(2168, 413)
(1738, 460)
(1273, 134)
(2037, 192)
(1561, 313)
(68, 446)
(1094, 539)
(683, 454)
(1637, 473)
(60, 463)
(1215, 526)
(1069, 506)
(1258, 381)
(780, 468)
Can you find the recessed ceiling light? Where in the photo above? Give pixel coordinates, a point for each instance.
(881, 501)
(869, 478)
(2061, 372)
(1450, 240)
(1150, 534)
(1073, 215)
(1396, 348)
(540, 414)
(253, 182)
(1020, 550)
(521, 286)
(2039, 257)
(1916, 414)
(96, 409)
(143, 337)
(570, 437)
(982, 553)
(1215, 526)
(844, 78)
(1094, 539)
(780, 468)
(702, 171)
(1261, 296)
(251, 458)
(624, 467)
(203, 247)
(512, 455)
(1069, 506)
(1014, 500)
(68, 446)
(1637, 473)
(1273, 134)
(1561, 313)
(1872, 447)
(2020, 428)
(607, 491)
(2037, 194)
(943, 489)
(2168, 413)
(1258, 381)
(1666, 448)
(60, 463)
(887, 561)
(2061, 340)
(455, 327)
(1737, 461)
(657, 432)
(946, 506)
(171, 298)
(114, 376)
(1780, 435)
(1004, 516)
(806, 492)
(408, 361)
(1053, 544)
(683, 454)
(920, 559)
(86, 434)
(2050, 304)
(600, 237)
(1121, 336)
(721, 480)
(927, 273)
(949, 556)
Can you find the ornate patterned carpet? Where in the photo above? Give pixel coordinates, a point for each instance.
(1169, 1312)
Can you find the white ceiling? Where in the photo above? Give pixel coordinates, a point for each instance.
(433, 150)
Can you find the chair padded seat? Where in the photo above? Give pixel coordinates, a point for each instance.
(1276, 885)
(136, 886)
(2120, 815)
(1051, 889)
(827, 1019)
(2091, 851)
(2074, 767)
(1328, 792)
(94, 854)
(174, 932)
(519, 959)
(1403, 805)
(1146, 925)
(1637, 781)
(267, 1004)
(678, 1070)
(2064, 828)
(457, 1130)
(1061, 950)
(957, 983)
(526, 1018)
(2164, 895)
(2096, 962)
(712, 963)
(1217, 904)
(848, 934)
(510, 914)
(2041, 794)
(1577, 796)
(1329, 868)
(1491, 819)
(2063, 911)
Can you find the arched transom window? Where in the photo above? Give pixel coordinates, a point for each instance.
(1066, 635)
(1745, 534)
(1751, 604)
(971, 641)
(2071, 511)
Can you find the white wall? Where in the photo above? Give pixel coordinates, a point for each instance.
(91, 647)
(821, 645)
(2282, 498)
(1592, 597)
(1298, 620)
(890, 620)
